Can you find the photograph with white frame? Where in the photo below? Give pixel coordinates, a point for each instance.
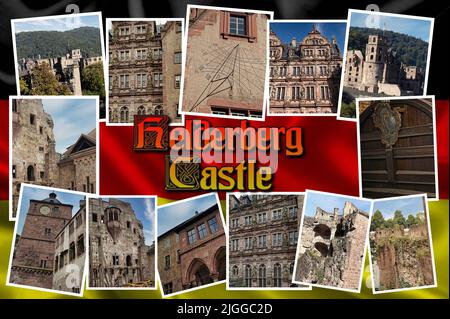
(288, 53)
(330, 224)
(67, 67)
(55, 138)
(404, 138)
(227, 92)
(288, 206)
(389, 75)
(49, 246)
(406, 231)
(160, 37)
(191, 236)
(123, 230)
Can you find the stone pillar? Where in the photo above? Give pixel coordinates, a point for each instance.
(76, 79)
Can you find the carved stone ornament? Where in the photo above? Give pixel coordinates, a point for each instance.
(388, 121)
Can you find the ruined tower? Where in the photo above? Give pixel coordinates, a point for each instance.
(375, 60)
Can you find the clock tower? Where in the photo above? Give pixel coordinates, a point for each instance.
(34, 253)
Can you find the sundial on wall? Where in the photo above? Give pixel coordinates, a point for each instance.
(230, 68)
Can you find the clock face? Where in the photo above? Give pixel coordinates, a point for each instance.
(44, 210)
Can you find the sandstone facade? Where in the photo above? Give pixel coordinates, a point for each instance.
(380, 71)
(263, 237)
(35, 250)
(118, 255)
(35, 160)
(225, 63)
(332, 247)
(144, 62)
(304, 76)
(70, 253)
(193, 253)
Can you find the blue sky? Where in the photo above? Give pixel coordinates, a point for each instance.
(71, 117)
(144, 208)
(329, 201)
(287, 30)
(412, 205)
(413, 27)
(40, 194)
(173, 215)
(57, 24)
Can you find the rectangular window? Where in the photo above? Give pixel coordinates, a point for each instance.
(248, 243)
(202, 232)
(41, 174)
(124, 55)
(296, 95)
(214, 227)
(234, 244)
(276, 240)
(276, 214)
(177, 81)
(281, 92)
(310, 93)
(141, 29)
(262, 241)
(238, 113)
(177, 58)
(248, 220)
(141, 54)
(157, 79)
(71, 228)
(72, 251)
(178, 27)
(110, 83)
(32, 119)
(293, 237)
(167, 262)
(141, 80)
(124, 31)
(115, 260)
(124, 81)
(192, 236)
(238, 25)
(168, 288)
(14, 171)
(157, 53)
(94, 217)
(324, 93)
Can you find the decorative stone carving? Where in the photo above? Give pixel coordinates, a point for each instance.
(388, 121)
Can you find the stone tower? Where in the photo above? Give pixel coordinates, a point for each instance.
(375, 60)
(33, 259)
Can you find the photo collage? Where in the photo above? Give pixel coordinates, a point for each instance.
(76, 72)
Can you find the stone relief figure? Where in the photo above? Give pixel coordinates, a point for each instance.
(273, 93)
(275, 72)
(254, 272)
(285, 213)
(285, 239)
(254, 242)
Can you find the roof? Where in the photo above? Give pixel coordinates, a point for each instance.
(191, 220)
(85, 141)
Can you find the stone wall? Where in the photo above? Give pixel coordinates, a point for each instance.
(115, 245)
(171, 43)
(210, 47)
(170, 275)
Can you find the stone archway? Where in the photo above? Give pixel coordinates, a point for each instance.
(220, 263)
(198, 273)
(322, 230)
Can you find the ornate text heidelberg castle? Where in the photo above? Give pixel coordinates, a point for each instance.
(305, 76)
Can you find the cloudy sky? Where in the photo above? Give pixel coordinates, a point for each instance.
(144, 208)
(287, 30)
(71, 117)
(411, 205)
(330, 201)
(57, 24)
(173, 215)
(414, 27)
(40, 194)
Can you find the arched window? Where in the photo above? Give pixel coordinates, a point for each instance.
(141, 110)
(159, 110)
(30, 173)
(248, 275)
(235, 270)
(262, 275)
(277, 275)
(124, 114)
(291, 268)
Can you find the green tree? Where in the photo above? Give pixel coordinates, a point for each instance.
(389, 223)
(24, 89)
(44, 82)
(377, 221)
(93, 82)
(411, 220)
(399, 219)
(348, 110)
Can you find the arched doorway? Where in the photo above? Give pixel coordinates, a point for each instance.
(220, 263)
(198, 273)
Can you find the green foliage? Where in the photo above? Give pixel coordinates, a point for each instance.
(410, 50)
(24, 89)
(93, 82)
(348, 110)
(46, 83)
(377, 221)
(398, 218)
(51, 44)
(411, 220)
